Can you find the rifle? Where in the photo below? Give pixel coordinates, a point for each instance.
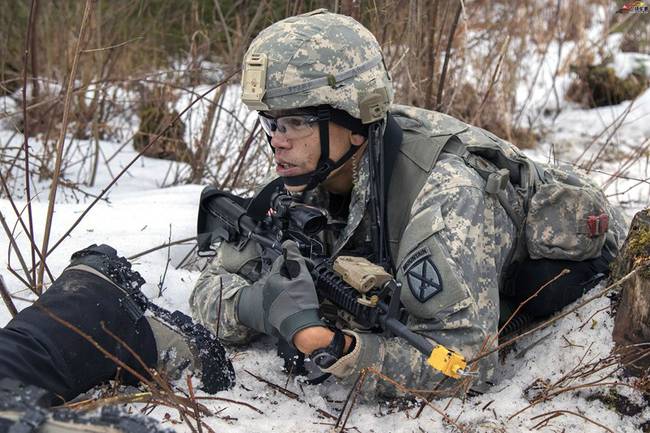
(360, 288)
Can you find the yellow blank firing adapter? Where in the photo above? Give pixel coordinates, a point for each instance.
(447, 361)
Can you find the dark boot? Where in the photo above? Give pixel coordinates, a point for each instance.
(183, 344)
(54, 343)
(23, 409)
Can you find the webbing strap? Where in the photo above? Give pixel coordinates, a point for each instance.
(519, 251)
(487, 171)
(329, 80)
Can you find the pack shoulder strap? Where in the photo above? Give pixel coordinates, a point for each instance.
(496, 179)
(410, 171)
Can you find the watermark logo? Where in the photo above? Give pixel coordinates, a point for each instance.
(633, 7)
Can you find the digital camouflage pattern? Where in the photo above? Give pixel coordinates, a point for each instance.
(320, 46)
(558, 223)
(216, 292)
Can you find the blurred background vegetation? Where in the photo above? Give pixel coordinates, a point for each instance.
(467, 58)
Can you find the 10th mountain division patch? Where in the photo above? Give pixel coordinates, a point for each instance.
(422, 275)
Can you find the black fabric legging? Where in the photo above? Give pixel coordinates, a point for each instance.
(36, 349)
(533, 274)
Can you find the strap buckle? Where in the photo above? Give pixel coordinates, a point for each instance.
(497, 181)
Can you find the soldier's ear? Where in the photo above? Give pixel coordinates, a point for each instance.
(357, 139)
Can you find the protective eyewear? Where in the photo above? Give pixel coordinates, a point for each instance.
(291, 126)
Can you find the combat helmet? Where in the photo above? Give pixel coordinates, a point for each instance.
(322, 61)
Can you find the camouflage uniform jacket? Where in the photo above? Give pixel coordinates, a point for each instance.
(455, 236)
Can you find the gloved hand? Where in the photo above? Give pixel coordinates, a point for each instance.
(283, 303)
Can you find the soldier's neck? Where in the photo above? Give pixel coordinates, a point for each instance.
(341, 180)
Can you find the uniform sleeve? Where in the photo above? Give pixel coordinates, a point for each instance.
(449, 260)
(218, 289)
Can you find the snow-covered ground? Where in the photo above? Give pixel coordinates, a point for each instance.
(139, 214)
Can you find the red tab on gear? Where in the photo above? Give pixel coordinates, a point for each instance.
(598, 224)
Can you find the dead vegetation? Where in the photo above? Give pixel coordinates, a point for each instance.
(154, 112)
(598, 86)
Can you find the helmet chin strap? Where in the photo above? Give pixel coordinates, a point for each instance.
(325, 165)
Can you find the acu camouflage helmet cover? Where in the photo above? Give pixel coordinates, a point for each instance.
(318, 58)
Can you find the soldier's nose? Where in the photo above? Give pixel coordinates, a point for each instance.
(279, 141)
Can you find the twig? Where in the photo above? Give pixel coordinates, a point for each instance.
(556, 413)
(488, 341)
(22, 223)
(430, 396)
(639, 153)
(592, 316)
(96, 345)
(228, 400)
(560, 316)
(291, 395)
(538, 70)
(197, 414)
(615, 123)
(239, 163)
(570, 344)
(547, 395)
(279, 388)
(111, 47)
(175, 402)
(445, 64)
(534, 295)
(28, 194)
(21, 279)
(226, 29)
(88, 405)
(493, 80)
(59, 147)
(350, 400)
(160, 247)
(404, 389)
(187, 256)
(219, 310)
(14, 245)
(624, 115)
(161, 283)
(6, 297)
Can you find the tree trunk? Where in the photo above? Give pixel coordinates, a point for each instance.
(632, 323)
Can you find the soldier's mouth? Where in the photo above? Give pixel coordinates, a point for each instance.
(285, 169)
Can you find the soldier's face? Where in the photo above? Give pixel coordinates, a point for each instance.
(296, 156)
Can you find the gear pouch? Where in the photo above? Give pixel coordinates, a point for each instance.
(567, 217)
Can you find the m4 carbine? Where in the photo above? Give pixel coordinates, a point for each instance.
(363, 290)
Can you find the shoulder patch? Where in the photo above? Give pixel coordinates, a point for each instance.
(422, 275)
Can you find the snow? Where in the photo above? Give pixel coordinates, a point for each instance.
(141, 213)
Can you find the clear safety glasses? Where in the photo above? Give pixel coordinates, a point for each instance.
(291, 126)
